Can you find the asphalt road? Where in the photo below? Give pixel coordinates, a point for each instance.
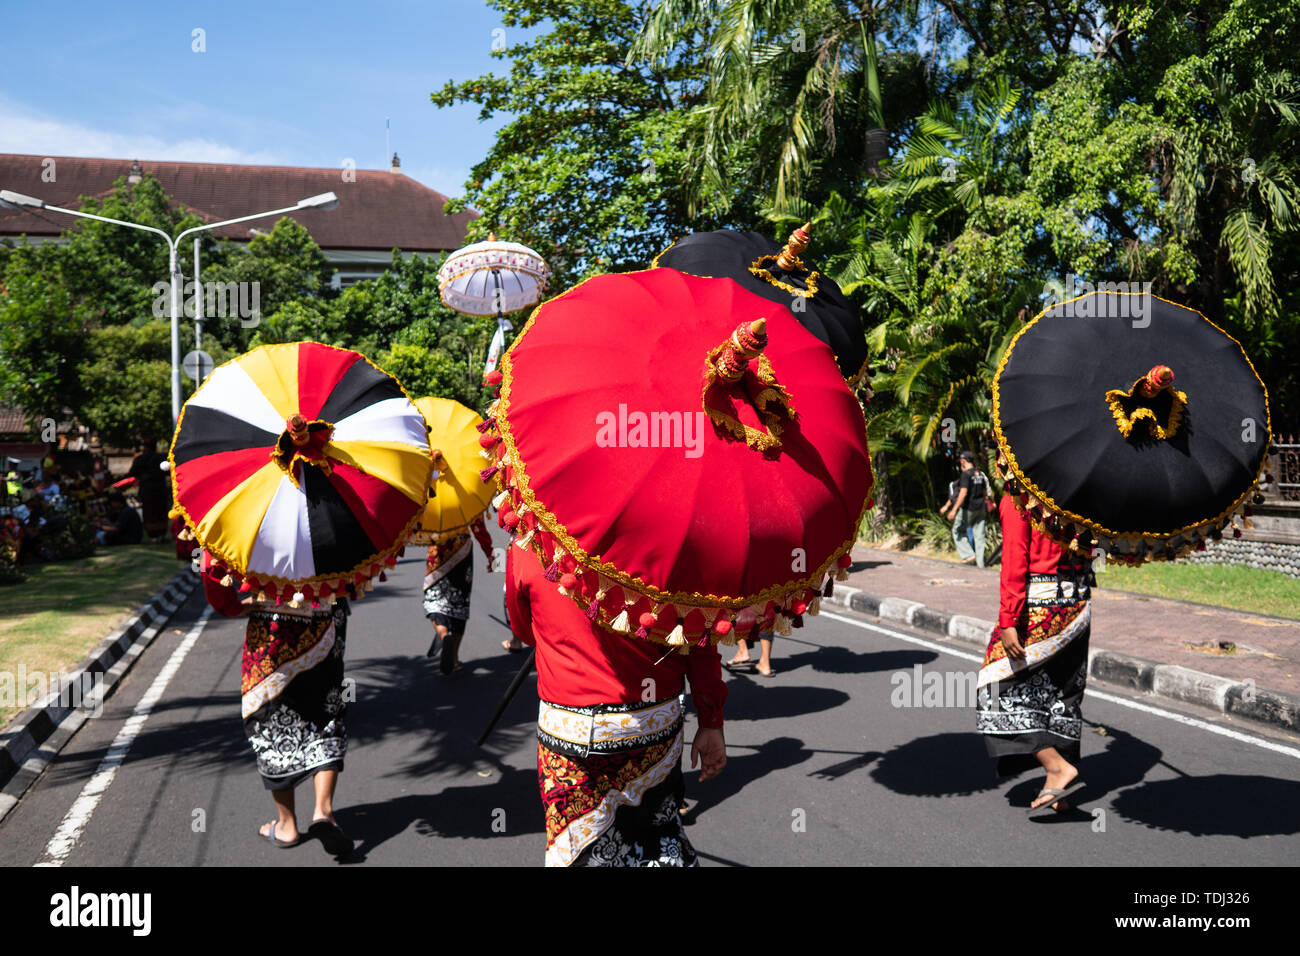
(823, 767)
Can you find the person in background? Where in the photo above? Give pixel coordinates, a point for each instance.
(610, 729)
(49, 487)
(154, 489)
(448, 579)
(949, 509)
(741, 660)
(125, 526)
(970, 510)
(31, 516)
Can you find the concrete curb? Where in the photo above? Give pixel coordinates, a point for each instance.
(1238, 698)
(35, 736)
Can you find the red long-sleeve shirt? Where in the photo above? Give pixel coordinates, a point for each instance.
(580, 664)
(1025, 551)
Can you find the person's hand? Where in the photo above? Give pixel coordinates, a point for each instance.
(710, 746)
(1011, 641)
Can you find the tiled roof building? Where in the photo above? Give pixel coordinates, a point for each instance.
(378, 210)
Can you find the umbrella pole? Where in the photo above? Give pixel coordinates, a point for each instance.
(509, 696)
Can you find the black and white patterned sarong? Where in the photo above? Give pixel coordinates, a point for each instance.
(447, 590)
(301, 730)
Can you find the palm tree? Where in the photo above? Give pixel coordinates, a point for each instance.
(792, 88)
(1232, 190)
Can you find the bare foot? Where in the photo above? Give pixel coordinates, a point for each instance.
(738, 659)
(1056, 780)
(765, 671)
(284, 832)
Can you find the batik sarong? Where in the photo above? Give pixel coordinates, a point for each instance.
(611, 782)
(292, 694)
(1030, 705)
(449, 576)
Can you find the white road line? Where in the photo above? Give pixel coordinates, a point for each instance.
(1100, 695)
(70, 830)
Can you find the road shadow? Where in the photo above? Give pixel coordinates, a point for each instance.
(505, 803)
(867, 565)
(742, 769)
(753, 697)
(943, 765)
(842, 660)
(214, 745)
(408, 696)
(1242, 805)
(845, 767)
(1221, 804)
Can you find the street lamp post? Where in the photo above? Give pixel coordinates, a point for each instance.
(322, 201)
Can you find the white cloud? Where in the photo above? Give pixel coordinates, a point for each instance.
(21, 131)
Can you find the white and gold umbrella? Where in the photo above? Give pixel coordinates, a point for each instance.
(493, 278)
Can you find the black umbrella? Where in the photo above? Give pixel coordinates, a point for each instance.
(779, 275)
(1132, 423)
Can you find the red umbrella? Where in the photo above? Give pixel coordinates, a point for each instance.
(680, 454)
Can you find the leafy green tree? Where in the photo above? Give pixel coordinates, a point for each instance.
(399, 314)
(797, 98)
(423, 372)
(296, 321)
(127, 379)
(589, 168)
(398, 319)
(41, 334)
(110, 270)
(79, 322)
(287, 267)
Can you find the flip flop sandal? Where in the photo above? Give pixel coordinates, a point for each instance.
(740, 665)
(1055, 794)
(332, 837)
(282, 844)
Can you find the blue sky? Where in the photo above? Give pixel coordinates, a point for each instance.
(298, 84)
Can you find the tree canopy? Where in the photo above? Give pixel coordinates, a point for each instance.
(959, 159)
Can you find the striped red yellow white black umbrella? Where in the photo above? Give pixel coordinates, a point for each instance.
(301, 468)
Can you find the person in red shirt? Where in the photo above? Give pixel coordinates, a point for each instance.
(610, 729)
(1036, 664)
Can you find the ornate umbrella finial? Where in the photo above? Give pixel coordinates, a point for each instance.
(296, 426)
(748, 341)
(788, 257)
(1160, 377)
